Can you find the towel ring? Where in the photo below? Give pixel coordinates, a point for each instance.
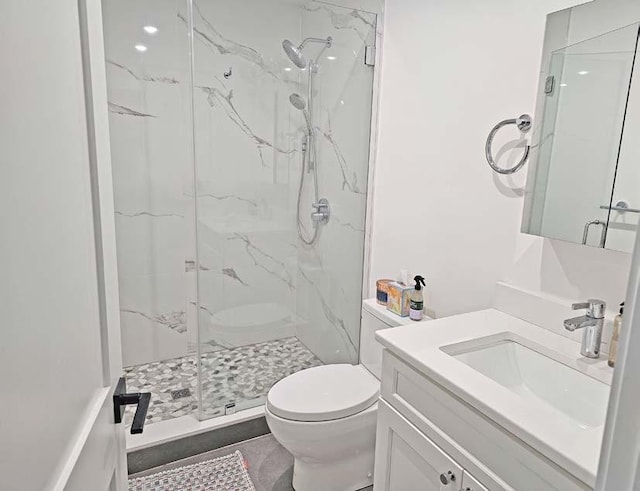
(524, 124)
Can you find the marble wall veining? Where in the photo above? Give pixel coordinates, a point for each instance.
(150, 127)
(243, 157)
(227, 118)
(247, 132)
(329, 293)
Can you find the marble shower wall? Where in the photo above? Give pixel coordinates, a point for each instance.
(150, 126)
(245, 149)
(258, 281)
(329, 293)
(248, 140)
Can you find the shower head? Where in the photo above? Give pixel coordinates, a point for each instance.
(297, 101)
(294, 53)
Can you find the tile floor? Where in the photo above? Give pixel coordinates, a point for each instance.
(270, 466)
(240, 375)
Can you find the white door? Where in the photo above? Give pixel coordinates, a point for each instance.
(407, 460)
(59, 336)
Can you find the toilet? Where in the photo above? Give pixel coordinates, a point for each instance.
(326, 416)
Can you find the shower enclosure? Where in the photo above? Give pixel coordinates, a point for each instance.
(240, 192)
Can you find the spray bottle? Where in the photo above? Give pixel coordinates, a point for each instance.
(416, 302)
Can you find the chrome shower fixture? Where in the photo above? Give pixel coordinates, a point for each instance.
(298, 102)
(295, 52)
(322, 210)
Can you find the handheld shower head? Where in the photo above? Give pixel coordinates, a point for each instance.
(298, 102)
(294, 53)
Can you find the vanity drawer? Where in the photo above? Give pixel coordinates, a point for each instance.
(497, 458)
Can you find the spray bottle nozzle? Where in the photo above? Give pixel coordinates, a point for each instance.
(419, 282)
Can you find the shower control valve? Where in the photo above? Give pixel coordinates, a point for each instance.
(323, 211)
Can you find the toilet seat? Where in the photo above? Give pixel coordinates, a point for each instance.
(323, 393)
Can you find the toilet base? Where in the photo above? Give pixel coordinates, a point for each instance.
(347, 474)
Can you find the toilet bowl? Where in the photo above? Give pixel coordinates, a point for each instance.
(326, 416)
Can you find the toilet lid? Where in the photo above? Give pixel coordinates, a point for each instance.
(323, 393)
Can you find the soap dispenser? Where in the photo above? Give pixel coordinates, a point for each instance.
(416, 301)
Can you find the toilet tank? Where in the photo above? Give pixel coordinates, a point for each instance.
(374, 318)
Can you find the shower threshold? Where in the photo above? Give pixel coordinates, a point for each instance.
(187, 426)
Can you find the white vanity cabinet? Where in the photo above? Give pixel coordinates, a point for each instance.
(470, 483)
(430, 439)
(408, 460)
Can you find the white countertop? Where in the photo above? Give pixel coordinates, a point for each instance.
(550, 432)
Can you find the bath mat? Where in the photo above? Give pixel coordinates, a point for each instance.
(226, 473)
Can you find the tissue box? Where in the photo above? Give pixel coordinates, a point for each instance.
(382, 291)
(398, 299)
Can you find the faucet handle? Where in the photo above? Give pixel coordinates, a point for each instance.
(594, 307)
(580, 305)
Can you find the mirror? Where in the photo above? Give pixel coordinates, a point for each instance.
(583, 182)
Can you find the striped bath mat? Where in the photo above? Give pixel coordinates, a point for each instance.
(226, 473)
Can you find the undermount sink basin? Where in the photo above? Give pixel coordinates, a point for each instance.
(536, 377)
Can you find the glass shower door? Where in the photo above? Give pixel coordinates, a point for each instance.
(269, 305)
(149, 96)
(330, 273)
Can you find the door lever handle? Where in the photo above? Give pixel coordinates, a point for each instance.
(121, 399)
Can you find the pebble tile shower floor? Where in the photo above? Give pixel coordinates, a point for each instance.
(240, 375)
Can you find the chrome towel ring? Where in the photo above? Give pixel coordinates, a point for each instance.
(524, 124)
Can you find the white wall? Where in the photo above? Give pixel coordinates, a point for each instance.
(451, 70)
(49, 291)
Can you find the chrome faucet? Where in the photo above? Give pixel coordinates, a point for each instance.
(592, 323)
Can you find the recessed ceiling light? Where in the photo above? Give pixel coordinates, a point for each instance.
(288, 69)
(331, 58)
(150, 29)
(141, 47)
(563, 85)
(583, 72)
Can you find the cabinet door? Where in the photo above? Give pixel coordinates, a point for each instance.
(470, 483)
(408, 460)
